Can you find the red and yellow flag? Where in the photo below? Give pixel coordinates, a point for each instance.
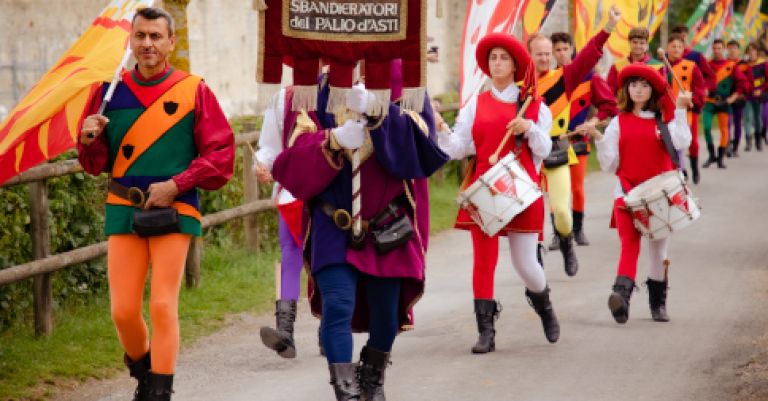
(590, 16)
(48, 119)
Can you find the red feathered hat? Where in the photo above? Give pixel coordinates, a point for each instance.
(657, 82)
(511, 45)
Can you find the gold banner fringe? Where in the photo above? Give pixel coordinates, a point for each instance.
(379, 105)
(304, 98)
(413, 99)
(337, 99)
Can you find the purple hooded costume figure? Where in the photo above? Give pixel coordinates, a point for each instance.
(359, 289)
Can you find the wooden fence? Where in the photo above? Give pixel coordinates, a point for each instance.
(44, 264)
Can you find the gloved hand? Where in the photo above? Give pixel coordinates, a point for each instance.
(358, 98)
(350, 135)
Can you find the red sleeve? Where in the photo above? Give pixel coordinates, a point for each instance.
(215, 144)
(710, 78)
(603, 98)
(613, 79)
(740, 83)
(699, 90)
(93, 157)
(584, 62)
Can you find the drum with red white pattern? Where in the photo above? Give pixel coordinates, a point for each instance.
(662, 205)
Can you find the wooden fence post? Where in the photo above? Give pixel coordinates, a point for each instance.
(41, 247)
(194, 256)
(251, 193)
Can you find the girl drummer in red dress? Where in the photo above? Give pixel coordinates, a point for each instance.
(480, 127)
(633, 147)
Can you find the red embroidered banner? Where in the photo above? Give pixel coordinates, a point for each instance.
(341, 33)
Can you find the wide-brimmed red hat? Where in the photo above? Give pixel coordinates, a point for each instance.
(509, 43)
(648, 73)
(657, 82)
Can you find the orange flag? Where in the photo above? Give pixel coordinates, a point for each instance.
(48, 119)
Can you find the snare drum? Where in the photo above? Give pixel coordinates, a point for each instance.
(662, 205)
(500, 194)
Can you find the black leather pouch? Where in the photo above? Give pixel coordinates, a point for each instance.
(559, 154)
(154, 222)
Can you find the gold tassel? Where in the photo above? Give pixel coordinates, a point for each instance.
(259, 5)
(439, 8)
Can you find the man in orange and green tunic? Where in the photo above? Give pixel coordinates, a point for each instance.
(161, 137)
(728, 79)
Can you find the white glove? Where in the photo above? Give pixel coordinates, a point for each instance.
(350, 135)
(358, 98)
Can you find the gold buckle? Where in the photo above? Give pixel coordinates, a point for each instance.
(342, 219)
(136, 197)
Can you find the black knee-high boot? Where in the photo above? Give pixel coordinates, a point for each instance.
(543, 307)
(345, 379)
(486, 313)
(160, 387)
(373, 363)
(695, 169)
(657, 299)
(578, 229)
(721, 157)
(569, 254)
(712, 158)
(618, 302)
(281, 340)
(555, 244)
(139, 370)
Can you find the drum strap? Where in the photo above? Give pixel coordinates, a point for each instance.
(667, 138)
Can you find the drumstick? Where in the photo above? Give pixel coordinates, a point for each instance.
(664, 58)
(495, 156)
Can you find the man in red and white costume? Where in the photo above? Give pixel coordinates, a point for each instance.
(479, 129)
(634, 150)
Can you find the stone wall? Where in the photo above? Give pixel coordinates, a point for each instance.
(223, 45)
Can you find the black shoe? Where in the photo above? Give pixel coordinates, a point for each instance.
(721, 157)
(695, 169)
(748, 146)
(139, 370)
(758, 143)
(618, 302)
(578, 229)
(345, 381)
(569, 255)
(486, 313)
(373, 363)
(657, 299)
(160, 387)
(543, 307)
(712, 158)
(281, 340)
(555, 244)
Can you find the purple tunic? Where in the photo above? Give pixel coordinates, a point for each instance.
(404, 156)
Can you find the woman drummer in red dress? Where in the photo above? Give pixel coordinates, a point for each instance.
(635, 149)
(480, 127)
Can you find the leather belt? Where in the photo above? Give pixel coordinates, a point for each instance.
(135, 195)
(343, 219)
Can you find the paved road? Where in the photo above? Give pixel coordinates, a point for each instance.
(718, 281)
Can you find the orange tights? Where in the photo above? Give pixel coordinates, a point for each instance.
(578, 171)
(128, 260)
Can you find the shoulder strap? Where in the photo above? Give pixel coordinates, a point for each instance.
(666, 137)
